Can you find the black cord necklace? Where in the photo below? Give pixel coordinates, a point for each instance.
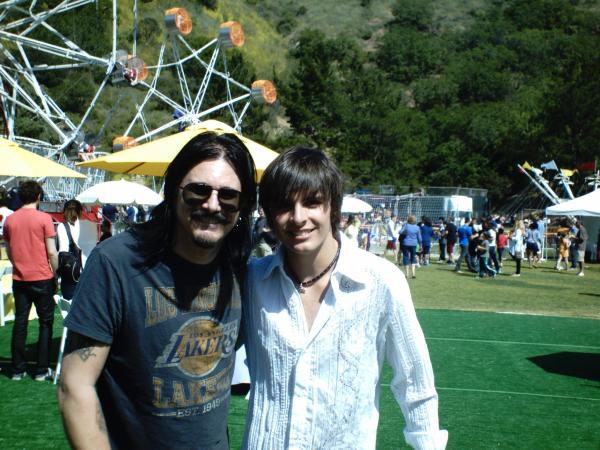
(301, 285)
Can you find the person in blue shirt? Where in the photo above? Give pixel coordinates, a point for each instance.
(426, 238)
(410, 236)
(465, 232)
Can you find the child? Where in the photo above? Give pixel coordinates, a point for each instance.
(501, 243)
(483, 251)
(563, 251)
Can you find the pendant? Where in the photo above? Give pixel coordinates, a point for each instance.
(301, 289)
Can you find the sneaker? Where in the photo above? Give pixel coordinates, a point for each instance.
(48, 375)
(516, 275)
(580, 274)
(18, 376)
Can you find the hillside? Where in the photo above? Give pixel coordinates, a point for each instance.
(272, 26)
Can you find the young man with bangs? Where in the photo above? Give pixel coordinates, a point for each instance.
(322, 316)
(156, 313)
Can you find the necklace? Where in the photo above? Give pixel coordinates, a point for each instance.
(301, 285)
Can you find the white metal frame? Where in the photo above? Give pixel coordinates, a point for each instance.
(22, 92)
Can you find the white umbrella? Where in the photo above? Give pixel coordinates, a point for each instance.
(120, 193)
(355, 205)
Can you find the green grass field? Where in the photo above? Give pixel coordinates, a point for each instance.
(517, 365)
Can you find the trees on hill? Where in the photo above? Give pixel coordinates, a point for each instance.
(447, 107)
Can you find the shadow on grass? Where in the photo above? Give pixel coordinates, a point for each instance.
(572, 364)
(589, 294)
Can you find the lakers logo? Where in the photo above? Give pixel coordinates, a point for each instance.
(198, 346)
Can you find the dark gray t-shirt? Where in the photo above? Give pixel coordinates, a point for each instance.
(166, 382)
(582, 237)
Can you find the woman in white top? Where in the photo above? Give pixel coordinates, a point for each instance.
(517, 248)
(72, 212)
(352, 226)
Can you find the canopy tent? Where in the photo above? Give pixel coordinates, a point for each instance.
(120, 192)
(587, 205)
(18, 162)
(153, 157)
(355, 205)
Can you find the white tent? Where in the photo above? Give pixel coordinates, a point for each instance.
(355, 205)
(587, 207)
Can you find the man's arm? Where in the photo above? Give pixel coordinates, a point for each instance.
(52, 253)
(82, 414)
(413, 381)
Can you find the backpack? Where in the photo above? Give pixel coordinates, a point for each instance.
(69, 263)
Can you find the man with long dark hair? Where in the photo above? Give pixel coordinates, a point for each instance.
(322, 316)
(156, 314)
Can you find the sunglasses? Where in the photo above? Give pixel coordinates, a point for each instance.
(195, 194)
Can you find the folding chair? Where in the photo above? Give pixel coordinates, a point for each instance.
(64, 305)
(5, 289)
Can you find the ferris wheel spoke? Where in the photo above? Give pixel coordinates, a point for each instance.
(183, 85)
(204, 85)
(30, 104)
(53, 49)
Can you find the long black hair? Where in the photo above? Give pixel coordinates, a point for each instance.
(156, 236)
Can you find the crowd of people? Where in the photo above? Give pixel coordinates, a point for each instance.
(479, 244)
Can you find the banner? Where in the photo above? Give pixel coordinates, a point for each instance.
(567, 172)
(587, 167)
(551, 165)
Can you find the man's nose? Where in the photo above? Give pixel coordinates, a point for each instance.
(212, 202)
(299, 213)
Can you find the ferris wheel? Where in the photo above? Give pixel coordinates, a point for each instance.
(42, 108)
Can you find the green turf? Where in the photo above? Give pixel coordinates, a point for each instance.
(492, 392)
(538, 291)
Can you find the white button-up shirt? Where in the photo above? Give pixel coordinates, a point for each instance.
(319, 388)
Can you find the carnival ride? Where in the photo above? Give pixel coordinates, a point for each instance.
(555, 185)
(35, 53)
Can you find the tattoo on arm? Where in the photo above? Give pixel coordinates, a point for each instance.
(100, 418)
(85, 353)
(81, 345)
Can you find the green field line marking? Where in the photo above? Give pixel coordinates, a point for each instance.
(489, 341)
(530, 394)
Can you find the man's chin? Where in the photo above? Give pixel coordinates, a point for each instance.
(207, 239)
(206, 243)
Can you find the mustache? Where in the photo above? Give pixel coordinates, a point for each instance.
(209, 217)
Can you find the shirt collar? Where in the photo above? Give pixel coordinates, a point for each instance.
(346, 266)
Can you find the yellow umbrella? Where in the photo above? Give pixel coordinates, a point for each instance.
(152, 158)
(18, 162)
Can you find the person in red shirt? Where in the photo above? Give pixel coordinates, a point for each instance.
(501, 243)
(29, 235)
